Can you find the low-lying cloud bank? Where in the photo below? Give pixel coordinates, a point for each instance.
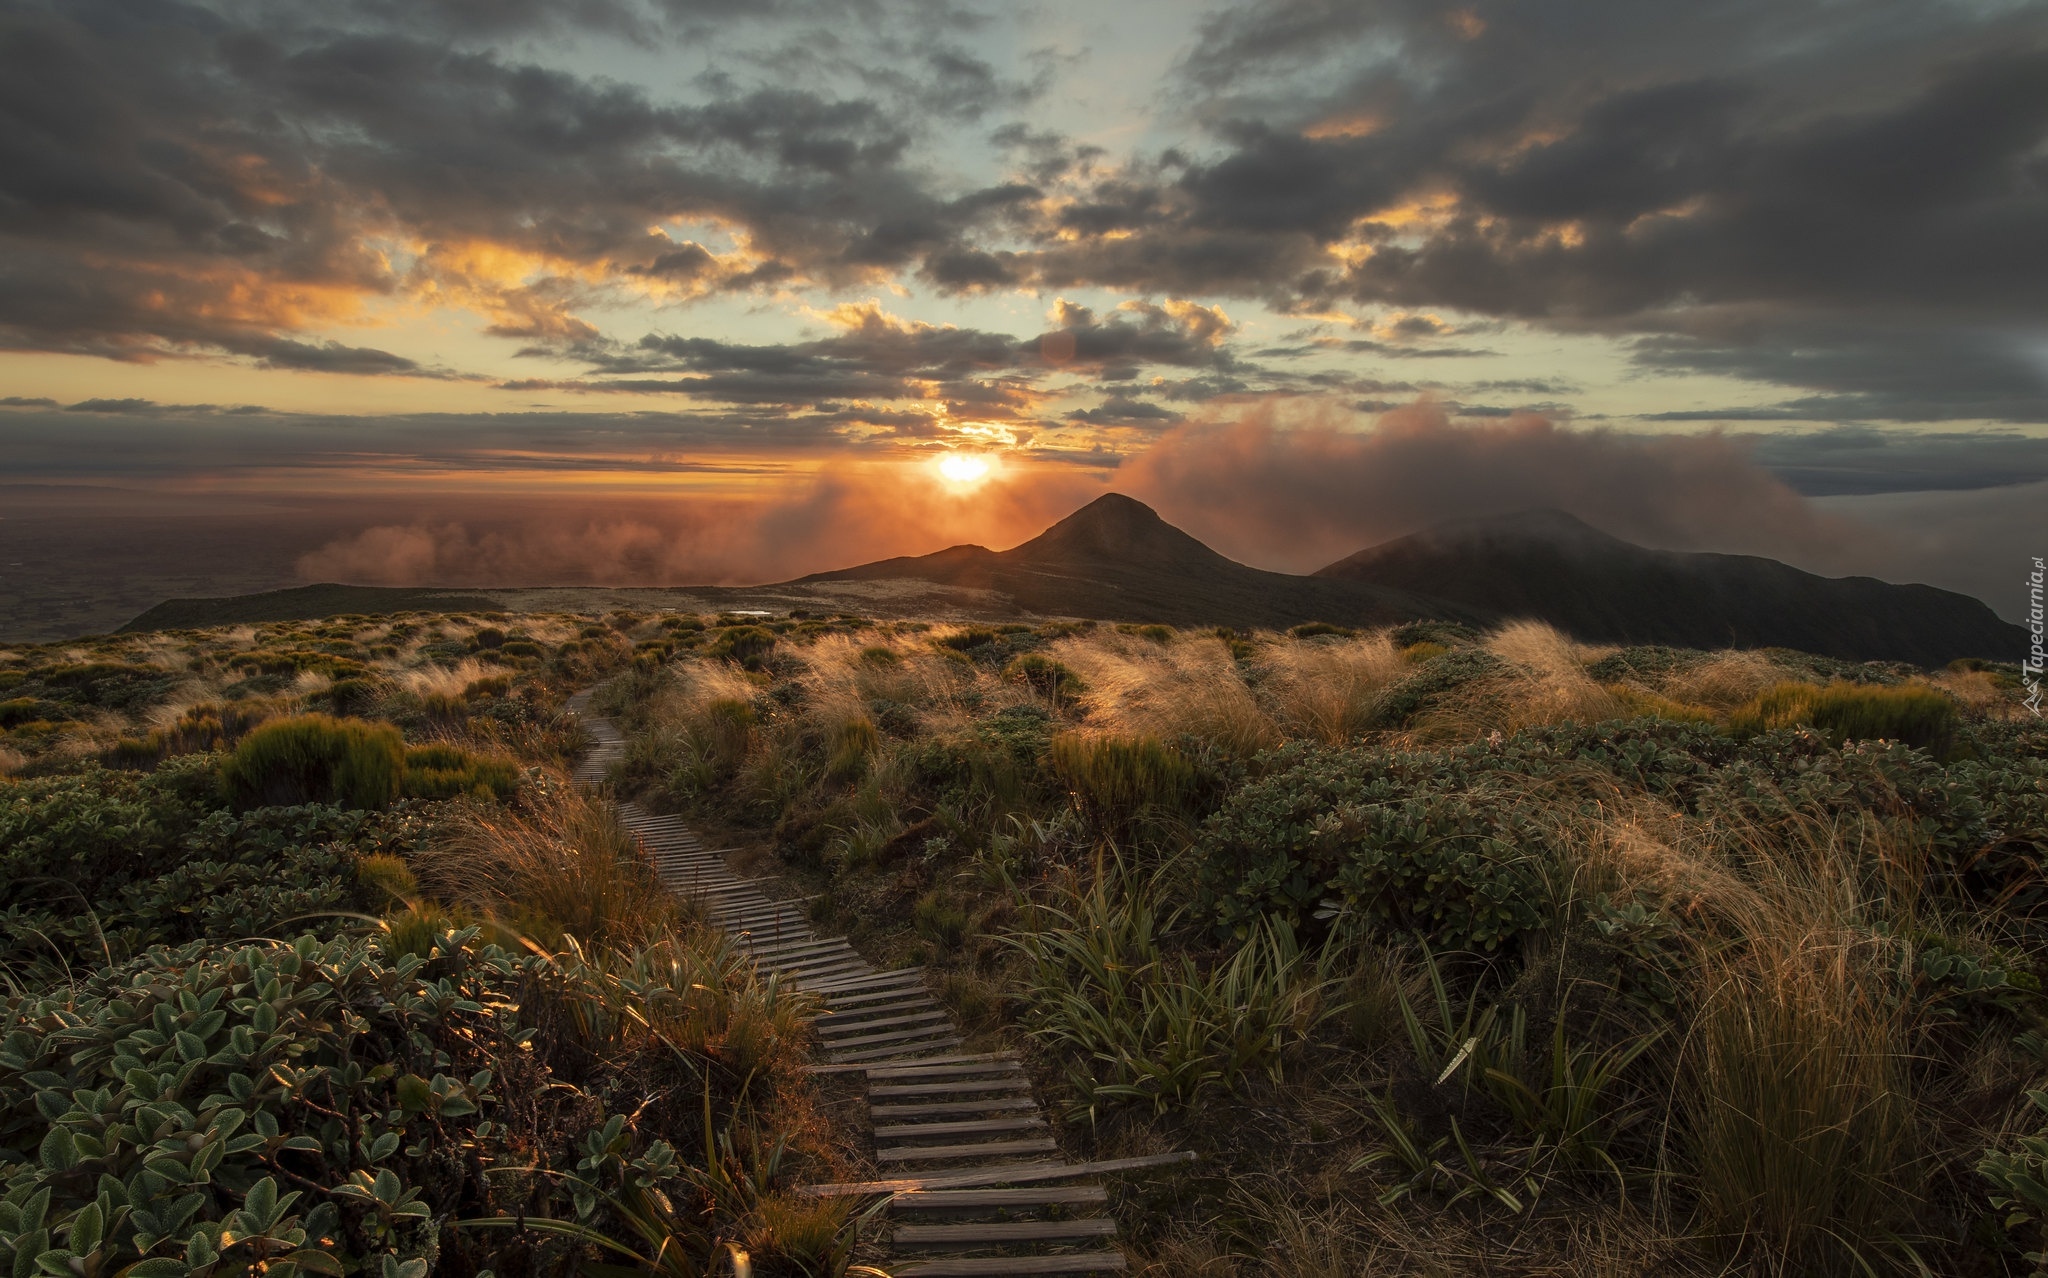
(1279, 484)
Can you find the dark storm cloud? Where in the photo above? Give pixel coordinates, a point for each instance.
(1608, 166)
(1844, 200)
(1864, 371)
(876, 356)
(178, 179)
(1852, 460)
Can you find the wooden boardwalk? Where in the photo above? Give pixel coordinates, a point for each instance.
(977, 1185)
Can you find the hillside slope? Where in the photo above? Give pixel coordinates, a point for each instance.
(1549, 565)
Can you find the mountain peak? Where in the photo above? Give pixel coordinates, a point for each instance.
(1114, 529)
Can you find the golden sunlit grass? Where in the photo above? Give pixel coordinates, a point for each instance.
(1328, 689)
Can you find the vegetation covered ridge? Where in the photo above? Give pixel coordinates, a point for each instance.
(312, 962)
(1454, 952)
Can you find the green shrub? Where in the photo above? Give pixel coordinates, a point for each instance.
(1408, 844)
(444, 772)
(1156, 633)
(490, 637)
(100, 864)
(315, 758)
(1917, 715)
(878, 656)
(23, 710)
(1118, 779)
(1311, 629)
(968, 638)
(1046, 677)
(745, 645)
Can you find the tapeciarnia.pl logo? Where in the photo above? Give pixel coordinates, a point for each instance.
(2037, 658)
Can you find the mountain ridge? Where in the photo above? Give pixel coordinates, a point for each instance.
(1116, 559)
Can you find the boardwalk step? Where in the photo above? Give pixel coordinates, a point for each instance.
(1000, 1174)
(1013, 1083)
(892, 1051)
(1084, 1262)
(938, 1108)
(918, 1071)
(991, 1199)
(985, 1149)
(998, 1233)
(828, 1025)
(964, 1127)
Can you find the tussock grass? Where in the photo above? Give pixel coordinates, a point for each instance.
(315, 758)
(1189, 688)
(1328, 691)
(1918, 715)
(562, 867)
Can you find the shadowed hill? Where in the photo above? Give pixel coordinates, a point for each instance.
(1549, 565)
(1115, 559)
(303, 603)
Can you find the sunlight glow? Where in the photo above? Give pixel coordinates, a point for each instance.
(963, 468)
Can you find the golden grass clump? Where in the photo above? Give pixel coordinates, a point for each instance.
(1799, 1112)
(1140, 688)
(1724, 681)
(1329, 689)
(562, 868)
(1548, 682)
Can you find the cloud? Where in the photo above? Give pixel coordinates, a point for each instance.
(1298, 486)
(843, 516)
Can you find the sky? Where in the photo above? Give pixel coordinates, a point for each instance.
(718, 291)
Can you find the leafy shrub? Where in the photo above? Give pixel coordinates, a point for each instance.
(490, 637)
(147, 1118)
(744, 645)
(1408, 844)
(2019, 1181)
(1046, 677)
(315, 758)
(1917, 715)
(22, 710)
(445, 771)
(1311, 629)
(1156, 633)
(100, 864)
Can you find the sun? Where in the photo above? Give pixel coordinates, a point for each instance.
(963, 468)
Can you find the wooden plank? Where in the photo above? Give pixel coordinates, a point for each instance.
(985, 1063)
(924, 1062)
(996, 1233)
(916, 1002)
(829, 1024)
(984, 1149)
(897, 1051)
(876, 996)
(901, 977)
(1011, 1174)
(986, 1199)
(963, 1127)
(1074, 1262)
(1013, 1083)
(937, 1108)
